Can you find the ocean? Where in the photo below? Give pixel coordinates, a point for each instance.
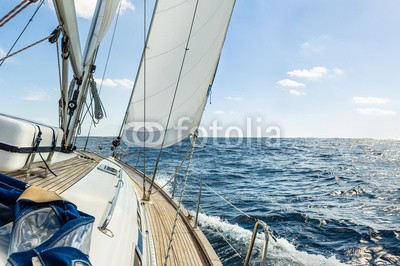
(327, 201)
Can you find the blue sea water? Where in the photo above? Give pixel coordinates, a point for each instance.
(328, 201)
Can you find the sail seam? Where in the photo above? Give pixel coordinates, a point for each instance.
(194, 34)
(172, 7)
(223, 27)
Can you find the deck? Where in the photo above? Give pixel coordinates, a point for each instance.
(190, 246)
(68, 173)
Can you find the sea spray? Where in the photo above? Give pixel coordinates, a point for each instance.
(280, 253)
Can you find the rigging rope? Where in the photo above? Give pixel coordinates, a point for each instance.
(47, 166)
(105, 69)
(177, 169)
(71, 88)
(15, 11)
(144, 96)
(171, 239)
(250, 217)
(82, 115)
(236, 208)
(22, 32)
(173, 99)
(62, 100)
(12, 11)
(219, 231)
(25, 48)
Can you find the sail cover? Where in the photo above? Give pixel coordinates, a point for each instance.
(171, 88)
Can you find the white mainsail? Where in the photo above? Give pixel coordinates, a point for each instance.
(182, 53)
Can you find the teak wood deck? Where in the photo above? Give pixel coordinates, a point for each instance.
(190, 246)
(68, 172)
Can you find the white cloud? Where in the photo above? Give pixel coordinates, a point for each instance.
(229, 98)
(85, 8)
(219, 112)
(375, 111)
(296, 92)
(36, 96)
(337, 71)
(8, 60)
(233, 112)
(127, 5)
(315, 115)
(290, 83)
(313, 73)
(313, 47)
(370, 100)
(316, 45)
(124, 83)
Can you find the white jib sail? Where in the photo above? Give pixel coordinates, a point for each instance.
(106, 11)
(177, 78)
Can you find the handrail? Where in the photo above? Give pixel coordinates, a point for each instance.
(110, 213)
(253, 238)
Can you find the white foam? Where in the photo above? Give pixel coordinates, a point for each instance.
(281, 252)
(162, 179)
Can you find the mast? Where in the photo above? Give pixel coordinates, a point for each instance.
(83, 67)
(65, 10)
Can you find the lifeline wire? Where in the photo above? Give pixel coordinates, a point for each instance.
(179, 205)
(250, 217)
(221, 234)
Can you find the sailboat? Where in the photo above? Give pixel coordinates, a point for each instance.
(62, 206)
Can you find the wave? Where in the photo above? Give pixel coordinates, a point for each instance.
(280, 252)
(328, 196)
(355, 191)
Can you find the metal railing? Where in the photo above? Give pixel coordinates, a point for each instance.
(253, 238)
(103, 228)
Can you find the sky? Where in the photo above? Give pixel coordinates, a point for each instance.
(296, 68)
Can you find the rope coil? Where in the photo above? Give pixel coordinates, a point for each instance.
(99, 110)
